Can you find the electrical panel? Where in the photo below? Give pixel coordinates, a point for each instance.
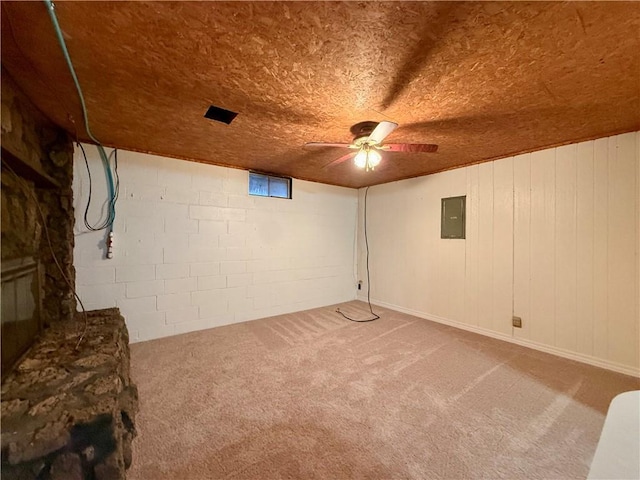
(453, 217)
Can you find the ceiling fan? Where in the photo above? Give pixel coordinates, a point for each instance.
(367, 141)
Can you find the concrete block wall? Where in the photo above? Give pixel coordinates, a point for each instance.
(193, 250)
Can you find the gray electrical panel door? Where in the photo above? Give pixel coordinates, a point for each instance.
(453, 217)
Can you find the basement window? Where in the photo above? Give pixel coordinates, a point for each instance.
(264, 185)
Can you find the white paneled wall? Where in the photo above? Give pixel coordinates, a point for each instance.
(193, 250)
(551, 236)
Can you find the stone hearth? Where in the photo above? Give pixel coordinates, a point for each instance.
(68, 410)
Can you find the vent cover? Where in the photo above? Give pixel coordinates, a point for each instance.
(220, 114)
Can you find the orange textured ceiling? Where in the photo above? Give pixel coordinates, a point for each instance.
(482, 80)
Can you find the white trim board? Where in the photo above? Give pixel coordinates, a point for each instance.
(597, 362)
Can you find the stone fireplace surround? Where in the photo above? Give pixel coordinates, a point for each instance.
(68, 410)
(68, 405)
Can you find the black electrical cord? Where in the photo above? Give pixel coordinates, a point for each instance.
(366, 242)
(111, 210)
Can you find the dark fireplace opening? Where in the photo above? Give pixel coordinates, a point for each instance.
(21, 306)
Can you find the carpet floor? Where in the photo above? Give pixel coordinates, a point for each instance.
(312, 396)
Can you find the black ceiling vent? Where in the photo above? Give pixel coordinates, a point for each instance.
(220, 114)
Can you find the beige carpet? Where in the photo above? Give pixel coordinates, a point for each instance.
(313, 396)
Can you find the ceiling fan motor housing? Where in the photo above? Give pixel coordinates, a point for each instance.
(363, 129)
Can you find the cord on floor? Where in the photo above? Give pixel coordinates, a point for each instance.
(366, 242)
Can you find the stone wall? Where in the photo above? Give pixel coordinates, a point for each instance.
(31, 139)
(68, 405)
(68, 410)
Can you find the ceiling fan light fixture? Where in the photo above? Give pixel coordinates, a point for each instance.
(369, 138)
(367, 158)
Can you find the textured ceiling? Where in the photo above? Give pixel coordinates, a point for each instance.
(481, 79)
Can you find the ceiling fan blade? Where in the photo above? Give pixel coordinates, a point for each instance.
(410, 147)
(381, 131)
(338, 161)
(322, 144)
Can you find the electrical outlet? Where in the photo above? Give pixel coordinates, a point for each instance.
(517, 322)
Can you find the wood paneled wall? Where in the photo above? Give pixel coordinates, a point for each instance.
(552, 237)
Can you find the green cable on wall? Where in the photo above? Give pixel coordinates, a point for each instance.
(108, 223)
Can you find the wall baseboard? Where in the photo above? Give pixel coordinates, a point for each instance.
(560, 352)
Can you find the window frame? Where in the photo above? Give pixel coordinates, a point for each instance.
(270, 176)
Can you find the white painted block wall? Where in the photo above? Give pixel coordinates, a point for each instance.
(552, 236)
(193, 250)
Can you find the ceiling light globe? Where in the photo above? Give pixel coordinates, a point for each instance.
(360, 159)
(374, 158)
